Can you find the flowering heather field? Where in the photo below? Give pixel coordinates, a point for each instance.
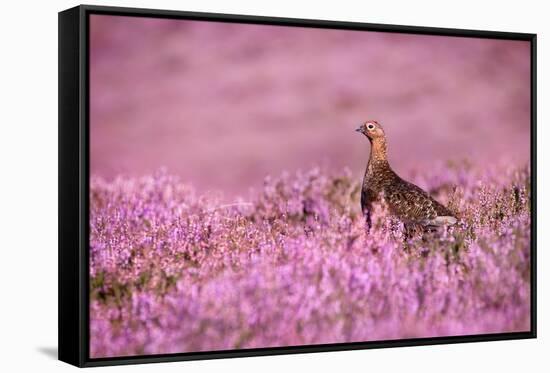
(172, 271)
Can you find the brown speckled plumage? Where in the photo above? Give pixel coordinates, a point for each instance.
(406, 201)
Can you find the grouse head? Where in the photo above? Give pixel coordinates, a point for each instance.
(372, 129)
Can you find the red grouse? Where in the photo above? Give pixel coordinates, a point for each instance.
(413, 206)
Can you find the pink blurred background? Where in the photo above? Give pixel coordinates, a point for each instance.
(223, 105)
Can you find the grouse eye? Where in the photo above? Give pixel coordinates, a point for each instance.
(370, 126)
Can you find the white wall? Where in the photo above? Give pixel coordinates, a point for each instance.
(28, 182)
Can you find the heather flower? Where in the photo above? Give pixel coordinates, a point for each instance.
(174, 271)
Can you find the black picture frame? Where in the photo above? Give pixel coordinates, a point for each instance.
(73, 248)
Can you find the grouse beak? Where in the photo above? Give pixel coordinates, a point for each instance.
(360, 129)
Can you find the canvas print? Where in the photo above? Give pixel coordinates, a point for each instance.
(261, 186)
